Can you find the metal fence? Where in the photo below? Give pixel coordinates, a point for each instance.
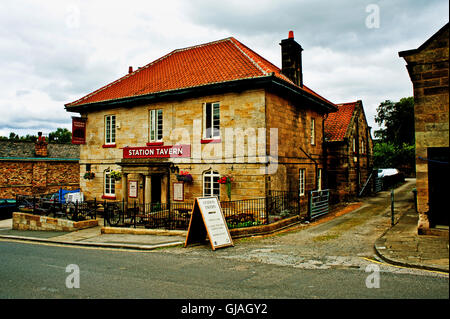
(176, 215)
(318, 203)
(45, 205)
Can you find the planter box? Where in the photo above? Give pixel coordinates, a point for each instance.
(24, 221)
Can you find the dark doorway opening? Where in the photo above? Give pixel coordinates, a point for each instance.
(156, 189)
(438, 185)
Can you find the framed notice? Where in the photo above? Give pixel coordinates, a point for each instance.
(178, 191)
(132, 189)
(207, 219)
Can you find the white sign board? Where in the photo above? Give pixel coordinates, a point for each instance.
(212, 222)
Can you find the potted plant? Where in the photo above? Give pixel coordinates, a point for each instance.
(89, 175)
(184, 176)
(116, 175)
(227, 180)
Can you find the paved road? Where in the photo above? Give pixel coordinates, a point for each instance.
(328, 260)
(39, 271)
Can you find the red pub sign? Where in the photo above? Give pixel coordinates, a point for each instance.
(157, 151)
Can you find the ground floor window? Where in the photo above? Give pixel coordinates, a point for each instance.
(319, 179)
(110, 186)
(301, 181)
(211, 186)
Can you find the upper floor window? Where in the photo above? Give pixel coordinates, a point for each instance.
(211, 121)
(156, 125)
(313, 131)
(110, 129)
(354, 145)
(211, 186)
(363, 147)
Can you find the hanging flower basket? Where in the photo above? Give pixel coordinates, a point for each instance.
(227, 180)
(184, 176)
(116, 175)
(89, 175)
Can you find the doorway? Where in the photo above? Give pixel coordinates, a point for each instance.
(438, 185)
(156, 189)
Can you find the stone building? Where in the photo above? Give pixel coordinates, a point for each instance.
(210, 110)
(349, 150)
(28, 168)
(428, 69)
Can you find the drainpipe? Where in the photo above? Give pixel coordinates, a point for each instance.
(315, 165)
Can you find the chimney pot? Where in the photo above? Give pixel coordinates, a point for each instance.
(130, 69)
(291, 34)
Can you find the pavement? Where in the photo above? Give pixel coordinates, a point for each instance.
(399, 245)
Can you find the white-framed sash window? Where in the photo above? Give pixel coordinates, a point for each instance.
(301, 181)
(110, 129)
(211, 120)
(156, 125)
(211, 186)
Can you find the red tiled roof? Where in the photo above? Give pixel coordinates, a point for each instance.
(337, 123)
(215, 62)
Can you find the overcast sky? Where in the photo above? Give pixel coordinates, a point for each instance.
(54, 52)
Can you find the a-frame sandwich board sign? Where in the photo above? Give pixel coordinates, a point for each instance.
(207, 220)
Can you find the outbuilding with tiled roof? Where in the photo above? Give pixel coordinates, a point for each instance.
(349, 150)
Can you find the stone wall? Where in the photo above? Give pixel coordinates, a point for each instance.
(428, 68)
(37, 177)
(23, 221)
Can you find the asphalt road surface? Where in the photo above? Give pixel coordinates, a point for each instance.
(334, 259)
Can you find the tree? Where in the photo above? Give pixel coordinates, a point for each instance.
(398, 121)
(396, 145)
(61, 135)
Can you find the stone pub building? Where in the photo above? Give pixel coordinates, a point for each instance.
(208, 110)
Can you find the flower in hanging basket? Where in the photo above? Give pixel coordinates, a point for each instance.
(89, 175)
(184, 176)
(116, 175)
(227, 180)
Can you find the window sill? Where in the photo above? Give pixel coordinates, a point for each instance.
(108, 197)
(155, 144)
(109, 145)
(210, 140)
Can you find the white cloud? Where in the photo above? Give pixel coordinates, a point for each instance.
(54, 52)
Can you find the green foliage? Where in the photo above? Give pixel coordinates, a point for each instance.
(396, 145)
(398, 121)
(386, 154)
(61, 135)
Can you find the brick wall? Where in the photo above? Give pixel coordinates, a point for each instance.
(37, 177)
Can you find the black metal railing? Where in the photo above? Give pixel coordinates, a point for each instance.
(176, 215)
(45, 205)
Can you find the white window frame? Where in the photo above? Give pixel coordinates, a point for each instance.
(354, 145)
(155, 133)
(313, 131)
(109, 184)
(319, 179)
(110, 129)
(215, 133)
(301, 181)
(209, 177)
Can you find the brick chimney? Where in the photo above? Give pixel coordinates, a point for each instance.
(291, 59)
(40, 146)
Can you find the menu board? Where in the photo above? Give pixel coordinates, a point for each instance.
(212, 220)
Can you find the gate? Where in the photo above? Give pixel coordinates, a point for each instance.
(318, 203)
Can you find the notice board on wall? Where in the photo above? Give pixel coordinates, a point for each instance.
(207, 220)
